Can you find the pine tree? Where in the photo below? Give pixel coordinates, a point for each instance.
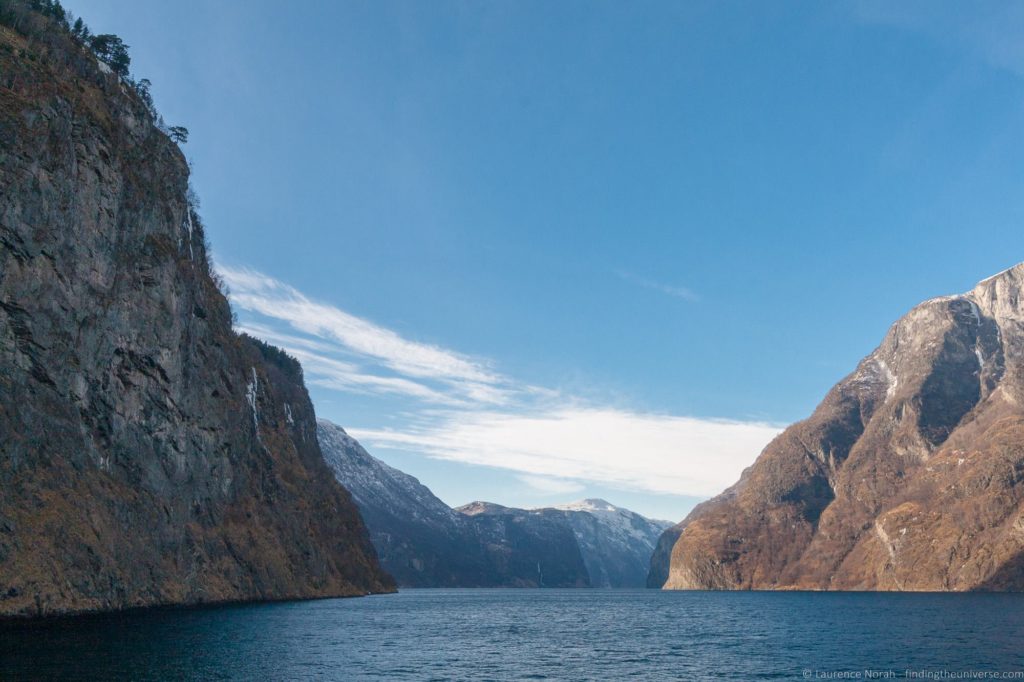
(112, 51)
(179, 134)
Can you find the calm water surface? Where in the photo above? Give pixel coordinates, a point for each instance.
(536, 634)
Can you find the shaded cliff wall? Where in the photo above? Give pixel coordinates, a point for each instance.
(148, 454)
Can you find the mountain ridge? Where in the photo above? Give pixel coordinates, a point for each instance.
(492, 544)
(906, 476)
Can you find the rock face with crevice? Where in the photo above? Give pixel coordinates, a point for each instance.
(148, 454)
(908, 476)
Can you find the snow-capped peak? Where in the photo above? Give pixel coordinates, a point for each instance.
(589, 505)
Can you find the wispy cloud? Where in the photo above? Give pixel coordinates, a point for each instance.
(328, 331)
(668, 289)
(647, 452)
(323, 370)
(265, 295)
(459, 408)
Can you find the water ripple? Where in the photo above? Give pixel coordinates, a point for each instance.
(531, 635)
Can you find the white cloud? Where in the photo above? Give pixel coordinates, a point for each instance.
(269, 297)
(462, 410)
(336, 331)
(668, 289)
(655, 453)
(340, 375)
(323, 370)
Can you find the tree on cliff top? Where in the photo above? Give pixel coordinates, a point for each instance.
(113, 51)
(107, 47)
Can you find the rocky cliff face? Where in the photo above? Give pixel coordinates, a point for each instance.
(907, 476)
(148, 454)
(425, 543)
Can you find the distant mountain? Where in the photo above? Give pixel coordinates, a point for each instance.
(527, 548)
(908, 476)
(616, 543)
(425, 543)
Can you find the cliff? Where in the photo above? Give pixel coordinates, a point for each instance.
(908, 476)
(148, 454)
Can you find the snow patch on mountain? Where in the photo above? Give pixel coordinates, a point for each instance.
(589, 505)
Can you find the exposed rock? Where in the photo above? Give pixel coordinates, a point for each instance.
(148, 454)
(906, 477)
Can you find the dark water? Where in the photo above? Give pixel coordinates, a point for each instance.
(538, 634)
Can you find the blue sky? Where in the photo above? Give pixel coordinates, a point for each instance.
(536, 251)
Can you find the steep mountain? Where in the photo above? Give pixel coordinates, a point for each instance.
(420, 540)
(908, 476)
(425, 543)
(616, 543)
(148, 454)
